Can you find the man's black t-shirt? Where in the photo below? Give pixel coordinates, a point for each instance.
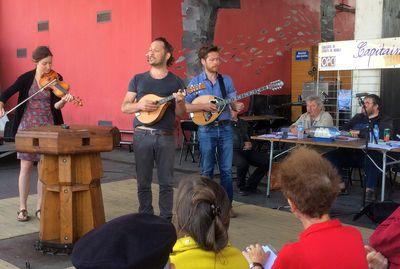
(143, 84)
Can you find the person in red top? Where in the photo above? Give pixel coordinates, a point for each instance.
(311, 185)
(384, 249)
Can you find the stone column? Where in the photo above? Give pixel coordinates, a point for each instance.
(328, 13)
(199, 19)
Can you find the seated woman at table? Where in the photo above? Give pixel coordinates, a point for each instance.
(202, 222)
(310, 184)
(315, 115)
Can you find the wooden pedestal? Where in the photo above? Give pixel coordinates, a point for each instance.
(70, 170)
(72, 200)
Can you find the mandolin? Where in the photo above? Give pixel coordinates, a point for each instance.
(207, 117)
(151, 117)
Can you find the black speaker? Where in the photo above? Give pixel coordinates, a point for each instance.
(258, 105)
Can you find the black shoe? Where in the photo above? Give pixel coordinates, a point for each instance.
(370, 196)
(243, 192)
(344, 192)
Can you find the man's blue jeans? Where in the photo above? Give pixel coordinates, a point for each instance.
(216, 141)
(345, 158)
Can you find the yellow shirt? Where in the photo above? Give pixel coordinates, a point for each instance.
(188, 255)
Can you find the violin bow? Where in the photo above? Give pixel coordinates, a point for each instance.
(41, 89)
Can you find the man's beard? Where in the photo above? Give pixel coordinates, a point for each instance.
(212, 69)
(161, 62)
(369, 112)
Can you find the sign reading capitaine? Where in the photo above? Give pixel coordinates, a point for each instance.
(359, 54)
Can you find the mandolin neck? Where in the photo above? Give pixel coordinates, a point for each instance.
(165, 100)
(188, 90)
(244, 95)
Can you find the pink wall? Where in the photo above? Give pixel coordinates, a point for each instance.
(257, 40)
(344, 22)
(167, 22)
(96, 59)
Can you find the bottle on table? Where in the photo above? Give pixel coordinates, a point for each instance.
(300, 130)
(375, 134)
(386, 135)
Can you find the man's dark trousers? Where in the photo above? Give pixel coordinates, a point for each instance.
(242, 159)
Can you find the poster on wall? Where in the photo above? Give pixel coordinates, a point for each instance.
(359, 54)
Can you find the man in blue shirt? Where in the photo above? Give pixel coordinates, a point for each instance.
(215, 138)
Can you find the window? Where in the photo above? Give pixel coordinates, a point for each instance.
(104, 16)
(43, 26)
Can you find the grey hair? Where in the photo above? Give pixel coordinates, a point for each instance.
(317, 99)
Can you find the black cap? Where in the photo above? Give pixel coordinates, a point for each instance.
(129, 242)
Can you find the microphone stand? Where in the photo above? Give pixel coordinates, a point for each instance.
(365, 209)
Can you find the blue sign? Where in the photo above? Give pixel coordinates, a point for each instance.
(302, 55)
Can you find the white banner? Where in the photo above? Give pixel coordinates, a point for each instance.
(359, 54)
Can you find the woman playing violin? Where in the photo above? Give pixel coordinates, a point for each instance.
(41, 110)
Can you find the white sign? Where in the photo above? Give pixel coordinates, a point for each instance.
(359, 54)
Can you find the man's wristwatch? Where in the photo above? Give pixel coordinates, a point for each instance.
(256, 265)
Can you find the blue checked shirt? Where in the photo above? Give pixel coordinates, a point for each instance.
(213, 89)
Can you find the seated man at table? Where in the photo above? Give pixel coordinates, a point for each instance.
(244, 156)
(358, 127)
(315, 115)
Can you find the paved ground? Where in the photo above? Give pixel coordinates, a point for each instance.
(256, 221)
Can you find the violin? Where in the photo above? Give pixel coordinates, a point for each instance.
(50, 81)
(59, 88)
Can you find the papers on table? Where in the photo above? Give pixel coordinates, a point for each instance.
(346, 138)
(381, 145)
(385, 145)
(272, 256)
(278, 135)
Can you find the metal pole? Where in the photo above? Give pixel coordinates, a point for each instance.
(271, 156)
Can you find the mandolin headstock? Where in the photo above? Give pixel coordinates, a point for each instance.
(275, 85)
(195, 88)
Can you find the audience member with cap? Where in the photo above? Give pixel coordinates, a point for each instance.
(135, 241)
(202, 222)
(311, 184)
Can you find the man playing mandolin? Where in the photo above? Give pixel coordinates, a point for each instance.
(215, 136)
(155, 142)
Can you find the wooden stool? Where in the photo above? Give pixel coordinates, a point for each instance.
(70, 170)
